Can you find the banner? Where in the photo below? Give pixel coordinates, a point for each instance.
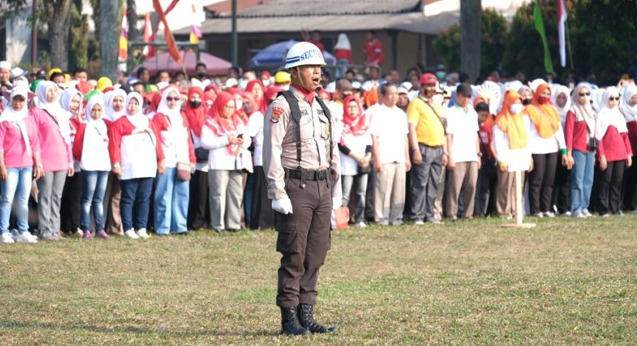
(539, 26)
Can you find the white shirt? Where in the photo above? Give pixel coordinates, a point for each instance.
(255, 131)
(541, 145)
(389, 125)
(218, 156)
(463, 128)
(357, 145)
(515, 159)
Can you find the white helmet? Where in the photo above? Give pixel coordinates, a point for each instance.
(303, 53)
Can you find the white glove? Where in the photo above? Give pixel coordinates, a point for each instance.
(283, 205)
(337, 202)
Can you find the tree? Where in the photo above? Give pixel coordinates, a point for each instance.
(109, 32)
(470, 37)
(78, 53)
(59, 20)
(493, 34)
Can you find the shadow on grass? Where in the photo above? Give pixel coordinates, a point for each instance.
(134, 330)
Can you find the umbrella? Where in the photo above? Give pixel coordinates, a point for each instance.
(273, 56)
(215, 65)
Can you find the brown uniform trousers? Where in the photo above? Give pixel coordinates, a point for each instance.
(303, 240)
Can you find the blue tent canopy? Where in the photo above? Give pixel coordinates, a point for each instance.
(273, 56)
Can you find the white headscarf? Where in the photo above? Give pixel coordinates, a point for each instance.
(609, 116)
(54, 109)
(342, 42)
(583, 112)
(109, 113)
(98, 124)
(557, 90)
(138, 119)
(17, 117)
(173, 114)
(65, 101)
(630, 113)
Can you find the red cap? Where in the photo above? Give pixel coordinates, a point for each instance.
(428, 78)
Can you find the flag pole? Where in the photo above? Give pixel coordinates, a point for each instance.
(568, 40)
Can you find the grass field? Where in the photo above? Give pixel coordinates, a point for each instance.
(565, 282)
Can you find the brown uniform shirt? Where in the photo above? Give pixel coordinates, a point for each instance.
(279, 145)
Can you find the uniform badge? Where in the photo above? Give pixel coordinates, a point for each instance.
(276, 114)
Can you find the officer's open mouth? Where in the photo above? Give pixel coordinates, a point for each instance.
(316, 80)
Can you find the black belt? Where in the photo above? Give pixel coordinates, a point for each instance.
(430, 146)
(305, 174)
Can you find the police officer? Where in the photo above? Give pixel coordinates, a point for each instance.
(301, 163)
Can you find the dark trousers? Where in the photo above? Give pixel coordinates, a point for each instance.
(303, 240)
(135, 203)
(262, 214)
(610, 187)
(71, 198)
(199, 210)
(487, 183)
(424, 183)
(541, 181)
(630, 188)
(562, 189)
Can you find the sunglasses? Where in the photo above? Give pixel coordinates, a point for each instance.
(613, 99)
(584, 94)
(172, 98)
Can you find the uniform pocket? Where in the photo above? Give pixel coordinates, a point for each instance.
(306, 128)
(325, 127)
(286, 237)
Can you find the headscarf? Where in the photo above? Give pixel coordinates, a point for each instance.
(54, 109)
(98, 124)
(173, 114)
(543, 115)
(138, 119)
(196, 116)
(510, 123)
(65, 101)
(630, 113)
(224, 127)
(608, 116)
(250, 98)
(353, 125)
(561, 111)
(17, 117)
(342, 42)
(325, 92)
(583, 112)
(261, 106)
(270, 93)
(110, 113)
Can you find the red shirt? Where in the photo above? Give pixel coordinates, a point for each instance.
(486, 136)
(576, 133)
(318, 44)
(374, 52)
(615, 146)
(343, 54)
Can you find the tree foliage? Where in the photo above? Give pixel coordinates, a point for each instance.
(494, 30)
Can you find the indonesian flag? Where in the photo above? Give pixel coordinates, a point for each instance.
(561, 26)
(122, 54)
(195, 29)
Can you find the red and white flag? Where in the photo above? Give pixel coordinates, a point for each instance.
(561, 26)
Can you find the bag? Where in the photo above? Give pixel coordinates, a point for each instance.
(201, 154)
(593, 143)
(183, 171)
(342, 217)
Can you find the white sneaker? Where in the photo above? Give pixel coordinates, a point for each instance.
(25, 237)
(143, 234)
(549, 214)
(419, 222)
(131, 234)
(6, 238)
(361, 224)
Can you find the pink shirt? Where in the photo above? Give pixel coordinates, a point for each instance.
(55, 153)
(13, 145)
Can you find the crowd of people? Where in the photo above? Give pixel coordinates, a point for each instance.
(91, 158)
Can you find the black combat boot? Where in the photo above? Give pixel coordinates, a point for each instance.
(290, 323)
(306, 317)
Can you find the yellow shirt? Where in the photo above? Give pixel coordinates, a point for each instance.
(429, 130)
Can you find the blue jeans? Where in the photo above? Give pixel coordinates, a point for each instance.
(582, 180)
(135, 202)
(92, 196)
(18, 185)
(171, 203)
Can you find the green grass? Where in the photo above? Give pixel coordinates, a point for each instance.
(565, 282)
